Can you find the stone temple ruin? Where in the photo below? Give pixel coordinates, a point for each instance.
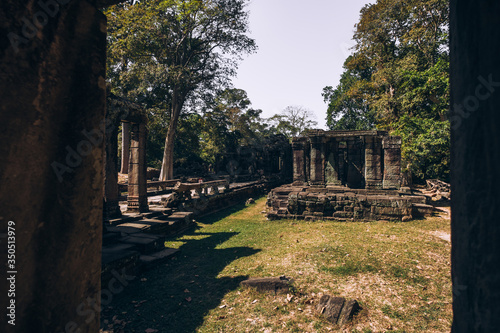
(346, 175)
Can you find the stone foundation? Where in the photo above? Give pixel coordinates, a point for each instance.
(344, 204)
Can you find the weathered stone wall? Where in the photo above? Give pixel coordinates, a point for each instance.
(356, 159)
(248, 163)
(475, 160)
(343, 204)
(52, 92)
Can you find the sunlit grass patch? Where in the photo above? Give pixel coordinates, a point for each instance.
(399, 272)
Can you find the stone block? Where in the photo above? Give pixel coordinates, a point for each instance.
(275, 285)
(337, 310)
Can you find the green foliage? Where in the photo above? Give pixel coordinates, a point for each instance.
(426, 146)
(231, 122)
(163, 54)
(347, 110)
(397, 80)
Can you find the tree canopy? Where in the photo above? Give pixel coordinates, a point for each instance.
(293, 121)
(163, 53)
(397, 79)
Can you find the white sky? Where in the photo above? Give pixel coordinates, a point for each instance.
(302, 47)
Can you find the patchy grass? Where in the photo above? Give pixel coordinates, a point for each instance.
(399, 272)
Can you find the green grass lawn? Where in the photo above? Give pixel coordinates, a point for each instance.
(399, 272)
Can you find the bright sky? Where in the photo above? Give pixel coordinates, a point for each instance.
(302, 47)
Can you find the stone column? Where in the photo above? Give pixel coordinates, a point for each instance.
(137, 183)
(317, 169)
(355, 165)
(53, 102)
(299, 163)
(392, 162)
(111, 193)
(373, 162)
(332, 163)
(475, 161)
(125, 147)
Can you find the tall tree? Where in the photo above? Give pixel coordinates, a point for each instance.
(398, 77)
(170, 49)
(293, 121)
(347, 107)
(231, 122)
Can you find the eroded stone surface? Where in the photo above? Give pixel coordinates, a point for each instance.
(340, 203)
(276, 285)
(357, 159)
(337, 310)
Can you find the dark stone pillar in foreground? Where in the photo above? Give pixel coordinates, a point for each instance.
(111, 193)
(137, 182)
(475, 177)
(52, 93)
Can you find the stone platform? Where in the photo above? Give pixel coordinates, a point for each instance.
(345, 204)
(135, 242)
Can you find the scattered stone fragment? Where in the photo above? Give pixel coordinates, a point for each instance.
(250, 201)
(337, 310)
(276, 285)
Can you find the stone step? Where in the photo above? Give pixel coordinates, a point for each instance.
(283, 204)
(188, 216)
(422, 210)
(145, 243)
(153, 214)
(155, 258)
(163, 227)
(118, 247)
(125, 219)
(129, 228)
(109, 238)
(115, 262)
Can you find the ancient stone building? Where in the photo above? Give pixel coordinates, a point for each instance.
(52, 88)
(121, 110)
(346, 175)
(356, 159)
(270, 160)
(53, 96)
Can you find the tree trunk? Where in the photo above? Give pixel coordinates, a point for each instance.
(167, 165)
(125, 147)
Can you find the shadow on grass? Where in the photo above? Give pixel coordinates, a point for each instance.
(214, 217)
(177, 295)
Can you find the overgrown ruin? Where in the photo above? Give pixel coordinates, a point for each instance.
(346, 175)
(53, 88)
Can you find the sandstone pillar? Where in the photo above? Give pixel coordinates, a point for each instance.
(125, 147)
(53, 99)
(332, 163)
(317, 169)
(299, 161)
(373, 162)
(137, 182)
(355, 165)
(475, 161)
(111, 192)
(392, 162)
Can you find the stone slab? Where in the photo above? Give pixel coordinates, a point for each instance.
(276, 285)
(157, 257)
(337, 310)
(129, 228)
(145, 243)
